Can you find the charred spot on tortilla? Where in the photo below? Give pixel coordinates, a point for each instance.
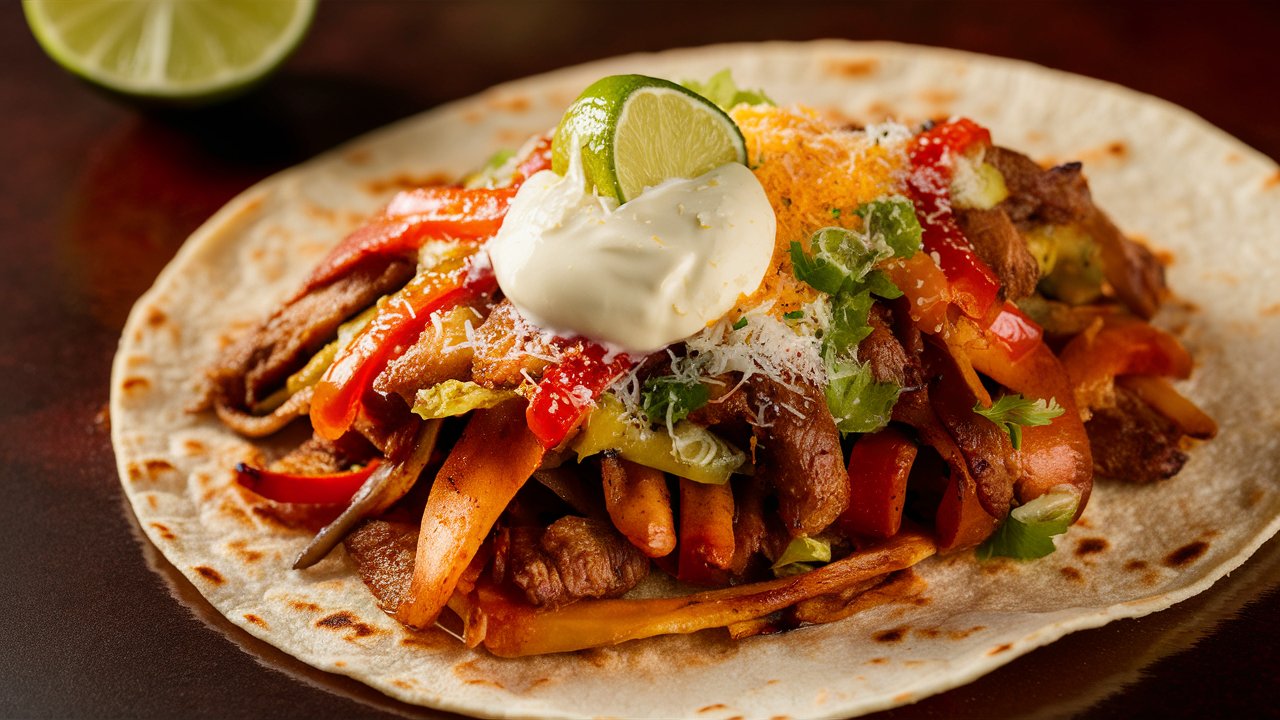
(345, 620)
(853, 67)
(892, 635)
(1091, 546)
(257, 621)
(164, 531)
(156, 317)
(406, 181)
(1072, 574)
(241, 549)
(511, 103)
(1186, 554)
(209, 574)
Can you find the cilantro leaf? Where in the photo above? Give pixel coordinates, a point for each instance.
(723, 91)
(842, 264)
(1012, 412)
(793, 315)
(671, 399)
(880, 284)
(1028, 532)
(848, 325)
(858, 403)
(817, 271)
(893, 221)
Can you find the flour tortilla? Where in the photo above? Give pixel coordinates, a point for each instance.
(1162, 173)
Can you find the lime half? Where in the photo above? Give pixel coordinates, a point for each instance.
(636, 131)
(181, 50)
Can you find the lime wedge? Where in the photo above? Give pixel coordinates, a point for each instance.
(180, 50)
(636, 131)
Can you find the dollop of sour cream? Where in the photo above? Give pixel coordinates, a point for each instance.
(637, 276)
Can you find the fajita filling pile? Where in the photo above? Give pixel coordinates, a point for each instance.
(692, 334)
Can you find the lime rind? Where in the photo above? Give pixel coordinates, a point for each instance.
(135, 51)
(636, 131)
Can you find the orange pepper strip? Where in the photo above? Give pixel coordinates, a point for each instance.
(511, 628)
(1120, 346)
(1053, 454)
(639, 505)
(1159, 394)
(706, 530)
(490, 462)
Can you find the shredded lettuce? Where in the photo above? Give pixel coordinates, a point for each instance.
(723, 91)
(456, 397)
(1028, 532)
(801, 555)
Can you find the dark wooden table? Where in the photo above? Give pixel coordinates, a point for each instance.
(95, 197)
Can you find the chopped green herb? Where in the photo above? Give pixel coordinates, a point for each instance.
(843, 265)
(858, 403)
(1028, 532)
(793, 315)
(1012, 412)
(848, 325)
(741, 323)
(892, 221)
(835, 213)
(723, 91)
(669, 399)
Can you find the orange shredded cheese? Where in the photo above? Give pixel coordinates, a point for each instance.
(815, 174)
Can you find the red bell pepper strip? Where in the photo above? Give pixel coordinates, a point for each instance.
(567, 392)
(328, 489)
(1016, 333)
(339, 394)
(974, 286)
(430, 213)
(411, 219)
(879, 466)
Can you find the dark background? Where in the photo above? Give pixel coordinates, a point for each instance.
(96, 196)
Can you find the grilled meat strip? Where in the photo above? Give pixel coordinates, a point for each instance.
(252, 368)
(574, 558)
(1134, 442)
(1060, 196)
(998, 242)
(383, 551)
(503, 344)
(799, 453)
(440, 353)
